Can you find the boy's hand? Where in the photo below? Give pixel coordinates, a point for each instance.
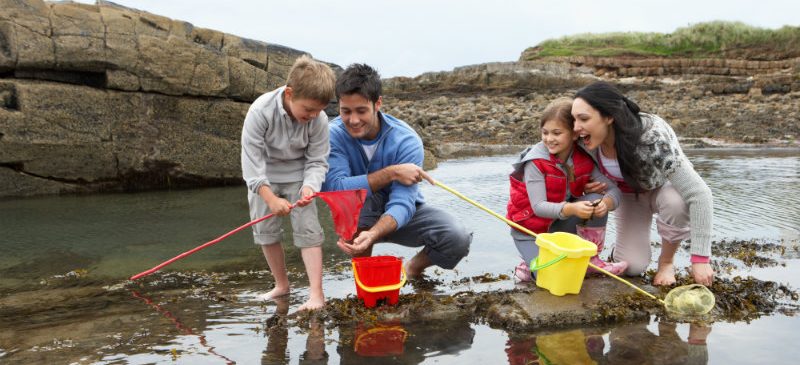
(361, 243)
(306, 193)
(409, 174)
(279, 206)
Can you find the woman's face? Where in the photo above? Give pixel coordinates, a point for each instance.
(592, 128)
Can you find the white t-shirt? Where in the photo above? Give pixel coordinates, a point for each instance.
(369, 149)
(611, 165)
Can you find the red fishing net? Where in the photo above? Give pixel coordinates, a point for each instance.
(345, 207)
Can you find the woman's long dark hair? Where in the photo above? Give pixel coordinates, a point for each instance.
(628, 126)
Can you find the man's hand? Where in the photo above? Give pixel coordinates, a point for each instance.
(306, 194)
(702, 273)
(409, 173)
(363, 241)
(595, 187)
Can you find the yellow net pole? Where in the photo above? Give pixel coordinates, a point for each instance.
(528, 231)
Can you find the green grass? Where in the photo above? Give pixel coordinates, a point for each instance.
(712, 39)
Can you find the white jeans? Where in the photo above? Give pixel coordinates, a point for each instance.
(634, 217)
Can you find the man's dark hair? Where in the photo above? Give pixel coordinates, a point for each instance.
(359, 79)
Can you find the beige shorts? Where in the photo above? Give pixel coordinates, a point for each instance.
(306, 230)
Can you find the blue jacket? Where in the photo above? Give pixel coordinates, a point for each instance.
(397, 143)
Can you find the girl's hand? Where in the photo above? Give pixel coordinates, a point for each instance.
(581, 210)
(600, 209)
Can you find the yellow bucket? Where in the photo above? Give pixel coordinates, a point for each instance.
(562, 262)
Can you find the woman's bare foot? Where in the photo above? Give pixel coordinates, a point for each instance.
(665, 274)
(312, 304)
(272, 294)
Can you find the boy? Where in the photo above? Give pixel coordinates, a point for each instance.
(285, 147)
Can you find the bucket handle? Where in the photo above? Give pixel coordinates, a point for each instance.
(535, 262)
(376, 289)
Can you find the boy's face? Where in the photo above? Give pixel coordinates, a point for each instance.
(360, 116)
(301, 110)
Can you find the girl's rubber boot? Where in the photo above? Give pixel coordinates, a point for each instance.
(597, 235)
(523, 272)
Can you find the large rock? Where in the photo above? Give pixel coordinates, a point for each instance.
(103, 97)
(110, 46)
(69, 138)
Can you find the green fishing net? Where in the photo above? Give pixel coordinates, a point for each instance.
(690, 300)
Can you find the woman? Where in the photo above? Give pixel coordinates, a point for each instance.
(640, 152)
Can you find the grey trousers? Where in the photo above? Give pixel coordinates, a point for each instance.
(526, 244)
(445, 240)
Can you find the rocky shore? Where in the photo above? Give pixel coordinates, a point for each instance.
(97, 98)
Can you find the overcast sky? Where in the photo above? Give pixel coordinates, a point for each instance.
(409, 37)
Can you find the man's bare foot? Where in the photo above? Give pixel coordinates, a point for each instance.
(417, 265)
(312, 304)
(273, 294)
(665, 274)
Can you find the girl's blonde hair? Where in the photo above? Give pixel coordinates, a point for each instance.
(559, 109)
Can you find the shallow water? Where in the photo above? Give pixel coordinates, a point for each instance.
(72, 245)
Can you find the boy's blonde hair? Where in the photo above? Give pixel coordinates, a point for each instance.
(310, 79)
(560, 110)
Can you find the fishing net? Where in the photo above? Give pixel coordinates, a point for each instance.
(345, 208)
(689, 300)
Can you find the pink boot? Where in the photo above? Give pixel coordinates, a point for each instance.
(523, 272)
(597, 235)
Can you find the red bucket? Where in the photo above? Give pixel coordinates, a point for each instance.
(378, 277)
(380, 340)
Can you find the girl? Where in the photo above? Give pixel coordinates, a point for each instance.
(547, 190)
(641, 153)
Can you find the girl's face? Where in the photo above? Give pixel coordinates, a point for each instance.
(557, 137)
(591, 127)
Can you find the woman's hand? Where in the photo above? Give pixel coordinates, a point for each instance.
(595, 187)
(702, 273)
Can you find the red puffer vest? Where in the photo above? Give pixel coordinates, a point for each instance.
(519, 206)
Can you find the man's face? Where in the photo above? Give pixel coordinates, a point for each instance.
(360, 116)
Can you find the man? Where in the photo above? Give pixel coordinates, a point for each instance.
(382, 154)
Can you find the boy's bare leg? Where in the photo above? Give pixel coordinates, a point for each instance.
(666, 270)
(417, 265)
(275, 259)
(312, 258)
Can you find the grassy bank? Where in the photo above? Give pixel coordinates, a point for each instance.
(712, 39)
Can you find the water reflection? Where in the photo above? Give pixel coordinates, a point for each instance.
(636, 344)
(628, 344)
(393, 343)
